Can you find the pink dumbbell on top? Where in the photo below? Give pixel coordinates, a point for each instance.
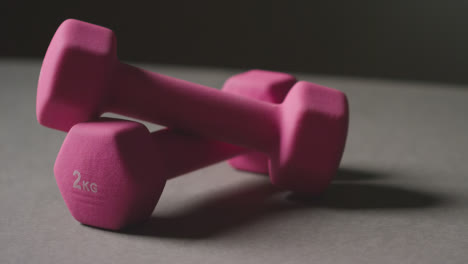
(111, 172)
(81, 78)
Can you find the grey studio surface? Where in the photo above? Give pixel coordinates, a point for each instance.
(401, 194)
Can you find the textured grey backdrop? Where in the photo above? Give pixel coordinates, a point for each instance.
(416, 39)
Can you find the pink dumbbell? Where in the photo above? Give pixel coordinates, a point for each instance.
(111, 173)
(81, 66)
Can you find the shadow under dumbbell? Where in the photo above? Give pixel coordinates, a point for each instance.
(345, 174)
(240, 205)
(221, 211)
(353, 174)
(368, 196)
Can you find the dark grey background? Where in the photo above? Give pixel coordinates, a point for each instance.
(418, 39)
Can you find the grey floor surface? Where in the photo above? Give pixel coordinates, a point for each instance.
(401, 195)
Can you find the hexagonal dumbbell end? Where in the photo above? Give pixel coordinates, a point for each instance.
(107, 173)
(314, 126)
(265, 86)
(80, 58)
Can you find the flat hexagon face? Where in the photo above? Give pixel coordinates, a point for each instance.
(261, 85)
(108, 173)
(74, 74)
(313, 136)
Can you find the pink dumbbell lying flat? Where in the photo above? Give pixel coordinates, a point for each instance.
(82, 78)
(111, 173)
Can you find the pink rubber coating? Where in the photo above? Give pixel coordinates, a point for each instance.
(260, 85)
(111, 172)
(82, 78)
(184, 153)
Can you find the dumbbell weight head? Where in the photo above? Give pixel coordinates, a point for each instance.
(265, 86)
(109, 173)
(314, 126)
(80, 57)
(313, 135)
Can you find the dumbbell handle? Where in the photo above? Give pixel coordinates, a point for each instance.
(192, 107)
(183, 153)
